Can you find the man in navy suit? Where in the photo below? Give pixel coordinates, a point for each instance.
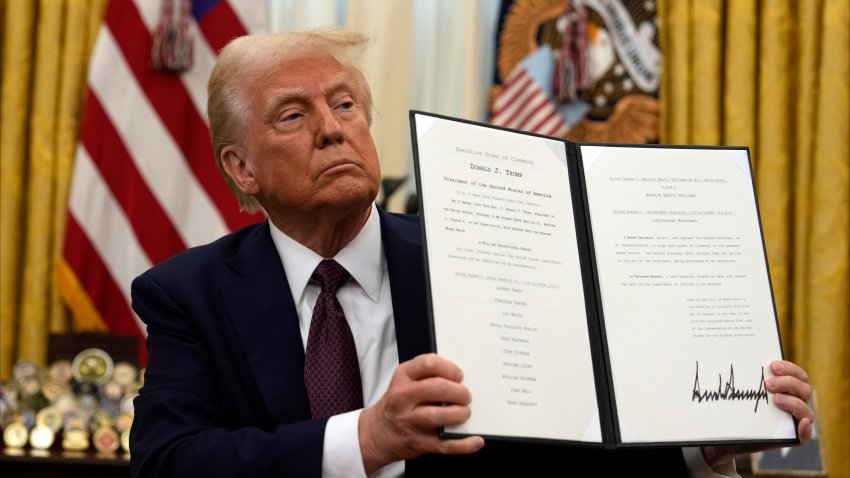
(228, 322)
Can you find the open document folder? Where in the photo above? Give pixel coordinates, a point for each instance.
(598, 293)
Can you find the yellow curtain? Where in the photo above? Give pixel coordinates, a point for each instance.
(46, 47)
(775, 76)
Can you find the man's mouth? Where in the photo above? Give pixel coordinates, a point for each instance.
(337, 164)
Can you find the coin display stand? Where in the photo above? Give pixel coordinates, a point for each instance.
(74, 408)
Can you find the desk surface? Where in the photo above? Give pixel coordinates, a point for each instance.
(51, 463)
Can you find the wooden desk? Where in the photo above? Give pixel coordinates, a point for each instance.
(58, 463)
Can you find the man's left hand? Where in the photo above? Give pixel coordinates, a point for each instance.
(791, 392)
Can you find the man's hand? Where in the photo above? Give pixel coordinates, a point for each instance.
(791, 393)
(424, 393)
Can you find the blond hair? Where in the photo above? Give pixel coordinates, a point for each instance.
(228, 107)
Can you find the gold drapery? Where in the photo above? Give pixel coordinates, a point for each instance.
(46, 48)
(775, 76)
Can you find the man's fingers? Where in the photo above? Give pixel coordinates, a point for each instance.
(432, 365)
(440, 390)
(786, 368)
(805, 430)
(425, 393)
(455, 446)
(410, 394)
(795, 406)
(790, 386)
(433, 416)
(792, 393)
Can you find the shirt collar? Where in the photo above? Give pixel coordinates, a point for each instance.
(362, 258)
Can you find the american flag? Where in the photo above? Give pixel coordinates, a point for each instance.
(145, 184)
(523, 104)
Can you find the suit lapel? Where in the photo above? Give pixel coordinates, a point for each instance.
(260, 306)
(402, 242)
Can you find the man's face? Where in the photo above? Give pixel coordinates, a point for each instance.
(307, 143)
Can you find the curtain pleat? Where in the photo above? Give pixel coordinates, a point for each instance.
(805, 123)
(739, 74)
(772, 157)
(81, 22)
(18, 40)
(675, 42)
(39, 187)
(707, 67)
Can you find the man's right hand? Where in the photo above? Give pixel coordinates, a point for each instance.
(424, 393)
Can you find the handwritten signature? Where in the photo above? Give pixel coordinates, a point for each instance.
(727, 390)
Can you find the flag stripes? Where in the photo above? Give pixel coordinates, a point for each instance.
(145, 185)
(104, 298)
(108, 300)
(523, 104)
(113, 240)
(507, 102)
(167, 95)
(153, 147)
(219, 26)
(151, 225)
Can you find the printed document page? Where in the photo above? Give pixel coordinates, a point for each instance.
(506, 286)
(688, 310)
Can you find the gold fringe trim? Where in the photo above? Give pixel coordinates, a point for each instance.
(85, 314)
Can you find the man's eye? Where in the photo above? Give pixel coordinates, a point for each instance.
(346, 105)
(291, 116)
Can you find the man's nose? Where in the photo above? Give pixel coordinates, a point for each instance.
(328, 130)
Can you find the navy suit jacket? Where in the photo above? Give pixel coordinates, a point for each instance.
(224, 391)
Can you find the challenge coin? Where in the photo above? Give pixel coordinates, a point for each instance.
(75, 438)
(125, 440)
(41, 437)
(24, 369)
(92, 366)
(61, 370)
(106, 440)
(49, 417)
(125, 373)
(15, 435)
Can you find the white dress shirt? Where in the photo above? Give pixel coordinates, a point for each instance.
(368, 309)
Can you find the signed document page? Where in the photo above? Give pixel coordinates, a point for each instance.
(505, 281)
(688, 311)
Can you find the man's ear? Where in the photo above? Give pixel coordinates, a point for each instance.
(235, 163)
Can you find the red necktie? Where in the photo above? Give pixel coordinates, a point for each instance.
(331, 370)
